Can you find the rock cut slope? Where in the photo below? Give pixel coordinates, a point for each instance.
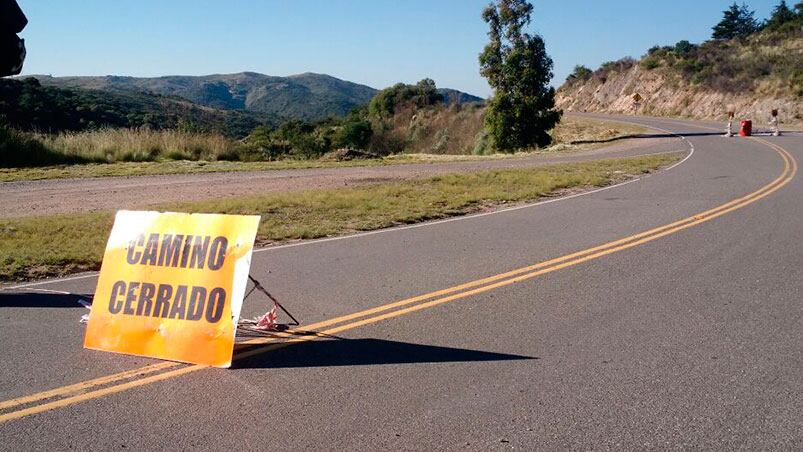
(753, 76)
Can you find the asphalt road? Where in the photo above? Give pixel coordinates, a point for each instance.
(689, 335)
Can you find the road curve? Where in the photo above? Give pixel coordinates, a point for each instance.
(661, 313)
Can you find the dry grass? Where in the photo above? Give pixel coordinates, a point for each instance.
(574, 129)
(137, 145)
(441, 129)
(575, 134)
(56, 245)
(186, 153)
(456, 130)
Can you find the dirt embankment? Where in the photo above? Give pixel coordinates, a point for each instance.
(662, 96)
(751, 76)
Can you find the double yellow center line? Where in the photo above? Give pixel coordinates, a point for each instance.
(115, 383)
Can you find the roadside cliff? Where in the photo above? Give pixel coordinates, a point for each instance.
(752, 77)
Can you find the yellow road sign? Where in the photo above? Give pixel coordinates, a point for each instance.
(171, 286)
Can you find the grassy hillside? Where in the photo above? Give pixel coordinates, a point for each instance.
(26, 105)
(764, 63)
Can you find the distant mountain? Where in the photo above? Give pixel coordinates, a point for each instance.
(453, 96)
(306, 96)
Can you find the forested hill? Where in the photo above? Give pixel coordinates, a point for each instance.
(26, 105)
(305, 96)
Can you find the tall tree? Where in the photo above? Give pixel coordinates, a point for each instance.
(737, 22)
(781, 15)
(522, 109)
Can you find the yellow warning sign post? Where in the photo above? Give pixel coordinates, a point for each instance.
(171, 286)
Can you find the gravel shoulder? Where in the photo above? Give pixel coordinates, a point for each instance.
(59, 196)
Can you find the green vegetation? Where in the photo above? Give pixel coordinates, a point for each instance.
(608, 67)
(293, 139)
(420, 95)
(356, 134)
(308, 97)
(760, 60)
(740, 22)
(56, 245)
(582, 74)
(522, 109)
(90, 121)
(783, 18)
(27, 105)
(579, 74)
(737, 22)
(369, 129)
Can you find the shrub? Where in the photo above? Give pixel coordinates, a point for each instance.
(619, 66)
(355, 134)
(684, 48)
(387, 101)
(796, 83)
(580, 73)
(650, 62)
(481, 144)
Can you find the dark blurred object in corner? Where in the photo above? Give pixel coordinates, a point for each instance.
(12, 48)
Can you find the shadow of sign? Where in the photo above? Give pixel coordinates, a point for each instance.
(41, 300)
(647, 135)
(363, 352)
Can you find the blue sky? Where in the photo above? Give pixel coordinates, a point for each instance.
(374, 42)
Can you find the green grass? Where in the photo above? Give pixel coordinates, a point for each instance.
(36, 247)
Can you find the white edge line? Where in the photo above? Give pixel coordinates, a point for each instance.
(51, 281)
(411, 226)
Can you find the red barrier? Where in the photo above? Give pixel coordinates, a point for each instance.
(746, 129)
